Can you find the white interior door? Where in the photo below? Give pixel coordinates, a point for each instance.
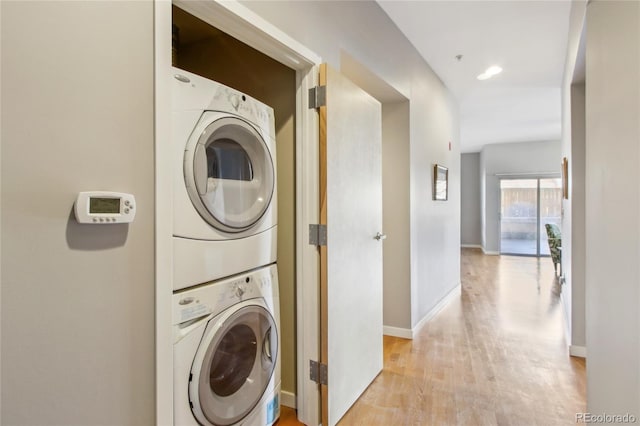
(351, 263)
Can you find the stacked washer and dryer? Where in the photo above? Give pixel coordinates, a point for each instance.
(225, 305)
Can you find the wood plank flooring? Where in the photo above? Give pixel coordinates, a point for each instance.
(287, 417)
(497, 356)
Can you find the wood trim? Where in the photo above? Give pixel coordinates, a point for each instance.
(288, 399)
(406, 333)
(566, 317)
(250, 28)
(455, 292)
(324, 317)
(403, 333)
(308, 257)
(490, 253)
(578, 351)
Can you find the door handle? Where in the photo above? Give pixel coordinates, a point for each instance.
(200, 172)
(380, 236)
(266, 345)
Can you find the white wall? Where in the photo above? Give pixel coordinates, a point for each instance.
(524, 159)
(573, 148)
(574, 260)
(483, 199)
(470, 219)
(365, 32)
(613, 207)
(435, 225)
(395, 215)
(77, 300)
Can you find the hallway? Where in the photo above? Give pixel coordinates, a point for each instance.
(497, 356)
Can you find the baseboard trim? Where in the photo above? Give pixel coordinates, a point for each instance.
(478, 246)
(565, 317)
(578, 351)
(288, 399)
(455, 292)
(490, 253)
(404, 333)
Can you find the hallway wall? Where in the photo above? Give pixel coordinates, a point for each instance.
(345, 26)
(77, 300)
(395, 215)
(613, 207)
(573, 148)
(470, 195)
(576, 237)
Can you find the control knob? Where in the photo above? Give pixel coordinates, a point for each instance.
(240, 290)
(235, 101)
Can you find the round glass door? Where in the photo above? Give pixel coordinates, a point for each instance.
(238, 363)
(229, 174)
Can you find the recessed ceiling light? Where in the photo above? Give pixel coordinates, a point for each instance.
(493, 70)
(490, 72)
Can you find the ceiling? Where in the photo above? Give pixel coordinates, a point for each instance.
(528, 39)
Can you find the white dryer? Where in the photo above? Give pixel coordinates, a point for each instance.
(226, 351)
(224, 187)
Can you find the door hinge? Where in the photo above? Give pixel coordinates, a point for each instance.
(318, 235)
(318, 372)
(317, 97)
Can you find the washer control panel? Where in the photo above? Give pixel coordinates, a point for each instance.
(105, 207)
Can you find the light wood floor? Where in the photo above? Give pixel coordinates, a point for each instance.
(497, 356)
(287, 417)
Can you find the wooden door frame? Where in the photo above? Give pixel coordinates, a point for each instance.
(248, 27)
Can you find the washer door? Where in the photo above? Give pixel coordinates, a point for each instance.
(229, 173)
(233, 365)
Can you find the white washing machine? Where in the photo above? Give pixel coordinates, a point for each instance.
(224, 188)
(226, 351)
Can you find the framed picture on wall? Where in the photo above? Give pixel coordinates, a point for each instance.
(440, 183)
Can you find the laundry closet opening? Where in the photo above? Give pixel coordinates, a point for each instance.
(205, 50)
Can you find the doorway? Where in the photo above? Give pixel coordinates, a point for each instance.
(238, 22)
(204, 49)
(526, 205)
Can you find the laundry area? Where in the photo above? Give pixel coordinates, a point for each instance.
(336, 131)
(233, 303)
(223, 268)
(202, 241)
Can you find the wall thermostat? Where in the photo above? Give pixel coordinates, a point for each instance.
(104, 207)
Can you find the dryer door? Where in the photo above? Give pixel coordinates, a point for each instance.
(233, 365)
(229, 173)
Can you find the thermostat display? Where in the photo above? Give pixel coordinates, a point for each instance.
(102, 207)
